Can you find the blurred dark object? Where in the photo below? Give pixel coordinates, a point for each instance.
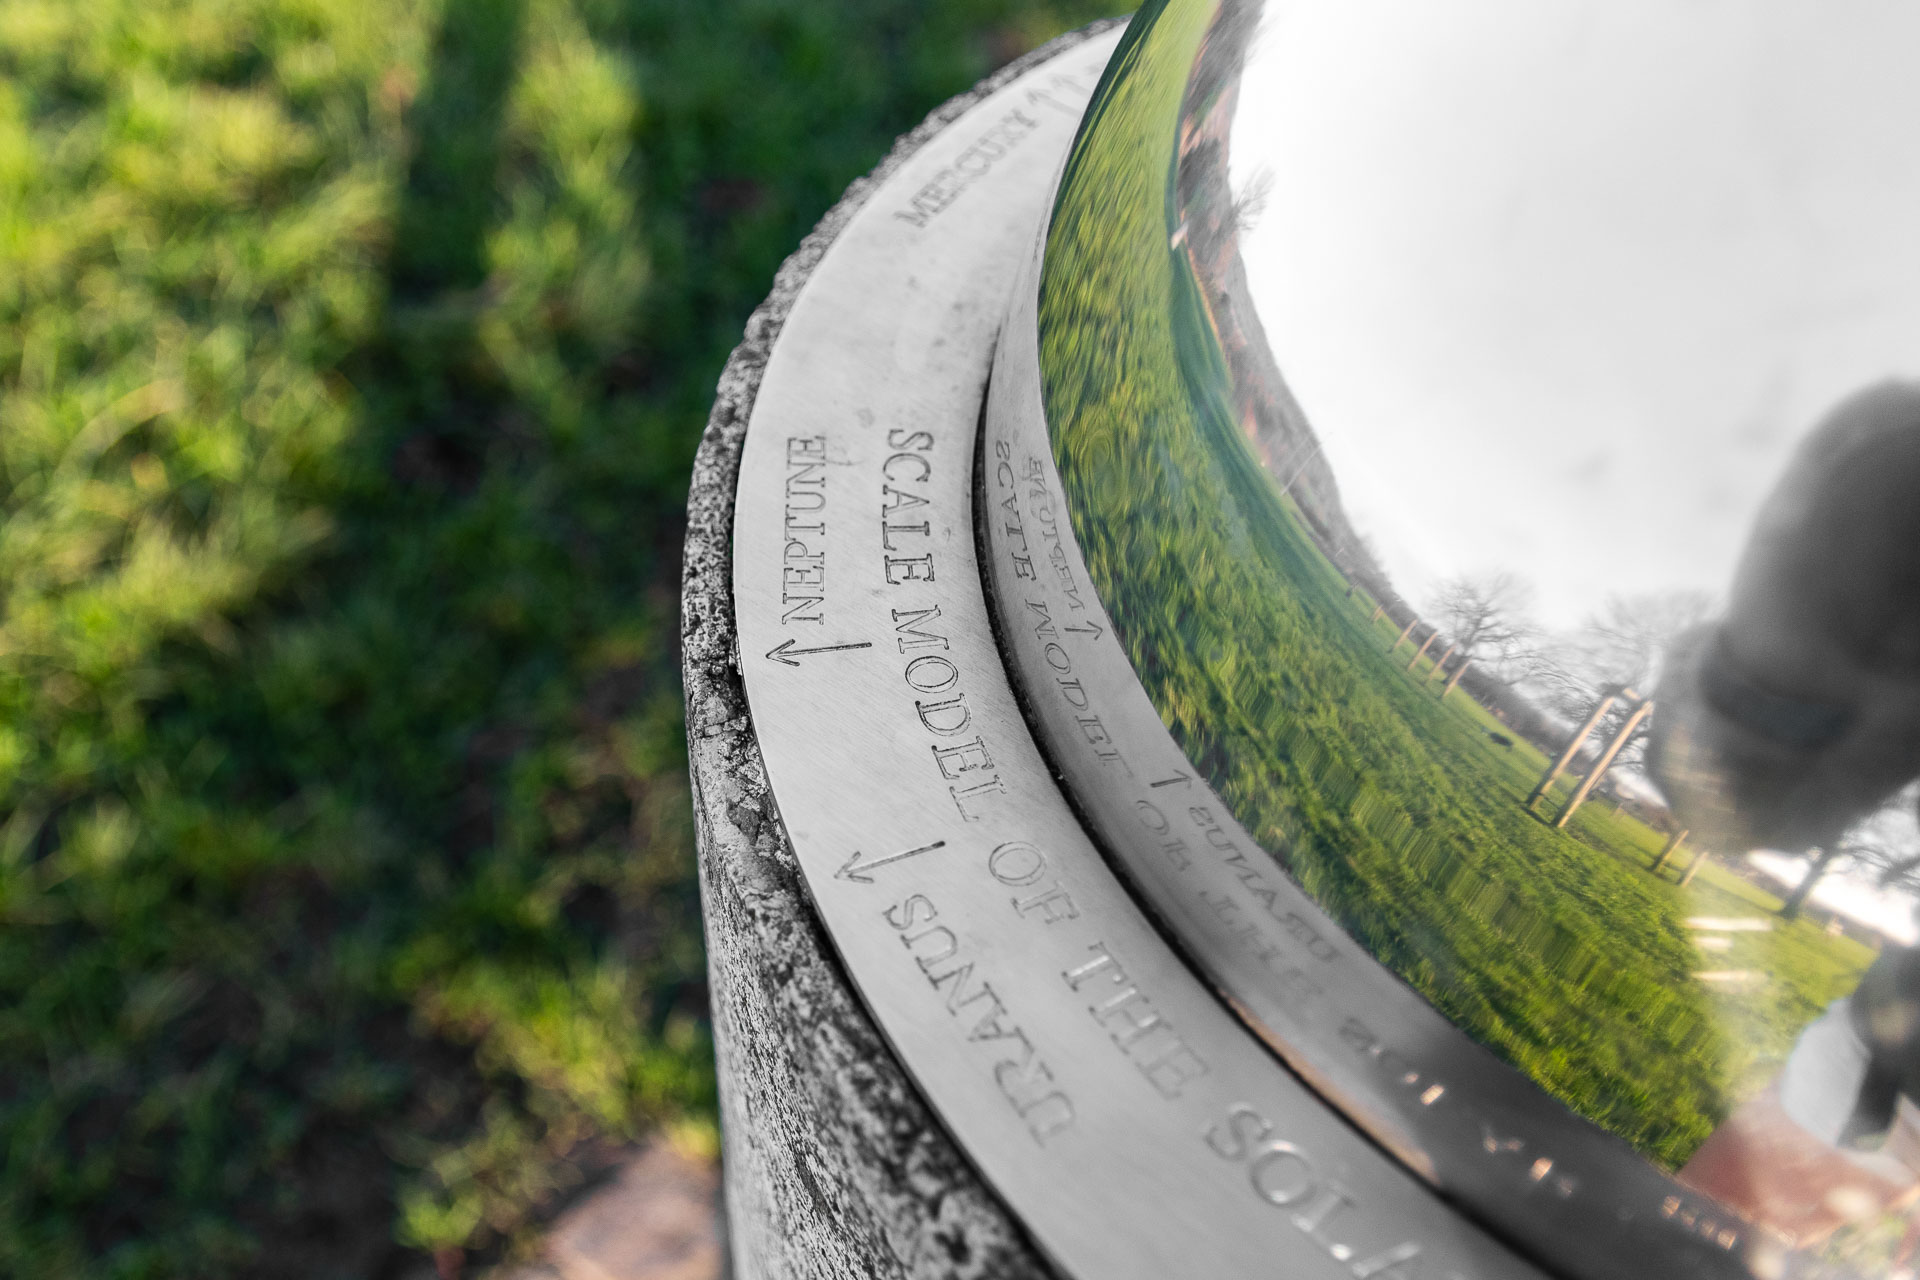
(1798, 713)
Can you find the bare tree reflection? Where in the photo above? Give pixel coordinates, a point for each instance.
(1486, 617)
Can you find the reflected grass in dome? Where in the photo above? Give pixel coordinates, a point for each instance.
(1398, 811)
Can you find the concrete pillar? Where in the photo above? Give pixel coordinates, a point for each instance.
(1605, 762)
(1457, 673)
(1421, 652)
(1693, 868)
(1441, 665)
(1673, 842)
(1574, 744)
(1411, 624)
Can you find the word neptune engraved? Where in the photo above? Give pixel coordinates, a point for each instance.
(1072, 1054)
(803, 557)
(1365, 1040)
(971, 165)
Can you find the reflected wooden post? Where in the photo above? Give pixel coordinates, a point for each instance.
(1673, 842)
(1579, 740)
(1599, 770)
(1411, 624)
(1693, 868)
(1375, 615)
(1440, 666)
(1421, 652)
(1457, 673)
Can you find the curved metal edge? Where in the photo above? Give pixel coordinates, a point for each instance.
(1566, 1193)
(833, 1162)
(1140, 1133)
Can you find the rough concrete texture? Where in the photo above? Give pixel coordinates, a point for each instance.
(834, 1165)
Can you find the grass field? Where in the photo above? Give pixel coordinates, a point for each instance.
(352, 358)
(1556, 949)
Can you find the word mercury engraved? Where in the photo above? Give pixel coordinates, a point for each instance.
(968, 167)
(803, 560)
(1024, 1079)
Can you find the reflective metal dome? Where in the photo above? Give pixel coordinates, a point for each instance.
(1477, 446)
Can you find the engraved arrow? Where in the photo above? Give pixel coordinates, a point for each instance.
(1092, 628)
(785, 652)
(856, 870)
(1184, 780)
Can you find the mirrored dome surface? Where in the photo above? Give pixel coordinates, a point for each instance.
(1493, 430)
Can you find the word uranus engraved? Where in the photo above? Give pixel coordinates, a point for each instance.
(1024, 1079)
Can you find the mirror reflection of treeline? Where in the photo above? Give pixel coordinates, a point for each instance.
(1210, 218)
(1397, 809)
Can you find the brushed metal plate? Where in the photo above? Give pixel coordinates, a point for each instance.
(1126, 1116)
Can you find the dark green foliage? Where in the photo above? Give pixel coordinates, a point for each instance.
(352, 357)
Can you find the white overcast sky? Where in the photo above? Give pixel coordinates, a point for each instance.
(1531, 264)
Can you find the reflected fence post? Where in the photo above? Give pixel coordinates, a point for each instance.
(1441, 665)
(1693, 868)
(1599, 770)
(1421, 652)
(1458, 671)
(1405, 632)
(1574, 744)
(1666, 852)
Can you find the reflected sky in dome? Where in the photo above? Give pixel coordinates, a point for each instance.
(1561, 286)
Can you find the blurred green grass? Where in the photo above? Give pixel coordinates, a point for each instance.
(352, 358)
